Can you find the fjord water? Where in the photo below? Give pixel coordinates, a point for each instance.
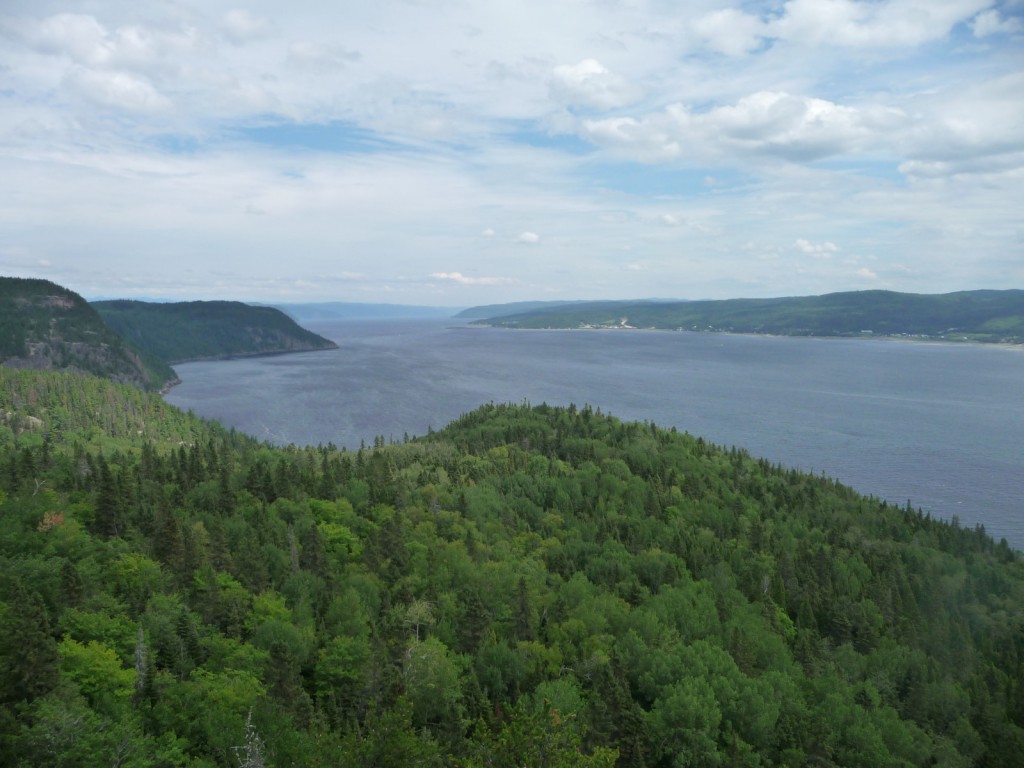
(940, 425)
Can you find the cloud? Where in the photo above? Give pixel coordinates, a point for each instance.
(80, 37)
(866, 274)
(126, 128)
(241, 27)
(461, 279)
(797, 128)
(976, 129)
(590, 84)
(118, 90)
(847, 23)
(991, 22)
(818, 250)
(306, 54)
(730, 31)
(85, 41)
(854, 24)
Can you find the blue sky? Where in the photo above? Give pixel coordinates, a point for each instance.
(459, 152)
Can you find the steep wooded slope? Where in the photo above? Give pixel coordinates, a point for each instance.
(193, 330)
(46, 326)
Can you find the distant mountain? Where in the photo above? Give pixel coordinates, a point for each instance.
(202, 330)
(986, 315)
(342, 310)
(486, 311)
(45, 326)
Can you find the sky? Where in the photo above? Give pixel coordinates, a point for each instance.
(461, 152)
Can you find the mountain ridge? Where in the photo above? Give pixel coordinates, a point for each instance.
(208, 330)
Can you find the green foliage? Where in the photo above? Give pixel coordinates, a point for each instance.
(43, 325)
(993, 316)
(529, 586)
(193, 330)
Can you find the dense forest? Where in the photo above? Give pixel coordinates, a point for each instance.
(46, 326)
(531, 586)
(987, 316)
(193, 330)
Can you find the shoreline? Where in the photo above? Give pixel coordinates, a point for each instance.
(1007, 345)
(168, 386)
(240, 355)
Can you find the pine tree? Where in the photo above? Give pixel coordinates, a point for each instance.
(28, 651)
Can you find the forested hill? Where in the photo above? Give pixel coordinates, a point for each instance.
(46, 326)
(529, 586)
(989, 316)
(514, 308)
(196, 330)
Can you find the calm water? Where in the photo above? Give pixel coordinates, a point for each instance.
(940, 425)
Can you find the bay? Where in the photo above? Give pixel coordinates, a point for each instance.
(938, 425)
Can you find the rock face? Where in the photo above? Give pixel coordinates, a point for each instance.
(44, 326)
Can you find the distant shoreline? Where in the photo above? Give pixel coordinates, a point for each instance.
(1008, 345)
(168, 386)
(237, 355)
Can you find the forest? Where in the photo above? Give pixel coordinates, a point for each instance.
(44, 325)
(980, 316)
(194, 330)
(530, 586)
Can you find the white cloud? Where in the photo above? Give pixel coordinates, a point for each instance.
(730, 31)
(309, 55)
(853, 24)
(796, 128)
(818, 250)
(117, 90)
(589, 83)
(991, 22)
(126, 128)
(80, 37)
(85, 41)
(461, 279)
(857, 24)
(976, 129)
(866, 274)
(241, 27)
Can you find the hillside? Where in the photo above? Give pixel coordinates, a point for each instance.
(486, 311)
(200, 330)
(345, 310)
(48, 327)
(528, 586)
(988, 316)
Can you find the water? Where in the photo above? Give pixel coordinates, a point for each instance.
(939, 425)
